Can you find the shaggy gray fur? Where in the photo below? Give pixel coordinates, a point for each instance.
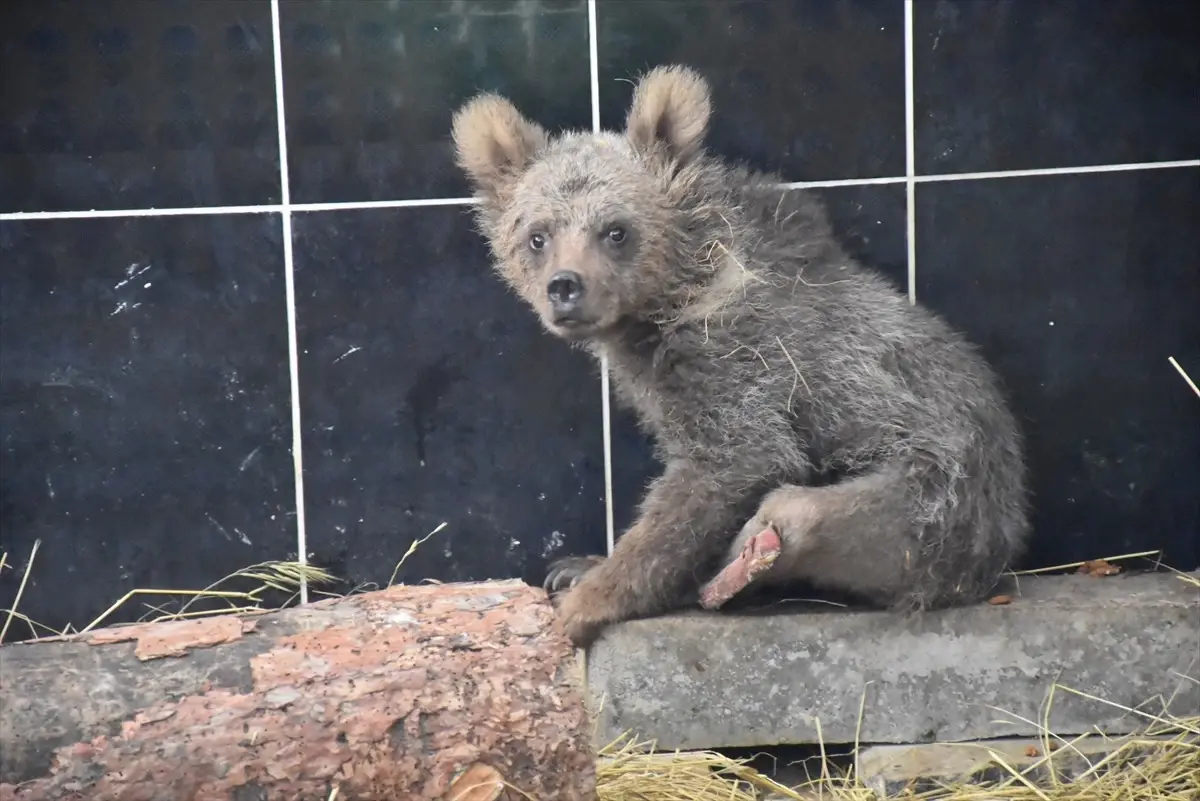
(783, 383)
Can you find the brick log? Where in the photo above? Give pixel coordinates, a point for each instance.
(405, 693)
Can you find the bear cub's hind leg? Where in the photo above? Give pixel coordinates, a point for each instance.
(851, 536)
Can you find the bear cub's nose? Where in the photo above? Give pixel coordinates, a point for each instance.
(565, 289)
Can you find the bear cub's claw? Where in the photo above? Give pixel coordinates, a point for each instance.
(565, 573)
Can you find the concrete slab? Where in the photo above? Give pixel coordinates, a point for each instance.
(710, 680)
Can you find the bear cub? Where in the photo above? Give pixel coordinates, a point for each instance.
(783, 383)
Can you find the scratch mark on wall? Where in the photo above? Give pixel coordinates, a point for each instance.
(220, 528)
(132, 272)
(355, 349)
(249, 458)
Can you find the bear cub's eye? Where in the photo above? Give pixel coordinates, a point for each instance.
(616, 234)
(537, 241)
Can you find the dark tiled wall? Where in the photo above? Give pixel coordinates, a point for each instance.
(1021, 84)
(144, 406)
(118, 104)
(369, 86)
(428, 395)
(146, 419)
(814, 90)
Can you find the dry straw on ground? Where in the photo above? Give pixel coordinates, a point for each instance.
(1159, 763)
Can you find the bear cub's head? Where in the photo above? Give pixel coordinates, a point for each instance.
(589, 228)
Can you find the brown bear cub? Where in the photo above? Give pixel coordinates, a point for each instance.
(784, 384)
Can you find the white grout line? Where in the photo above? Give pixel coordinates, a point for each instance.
(843, 182)
(289, 275)
(1087, 170)
(385, 204)
(910, 152)
(594, 65)
(605, 389)
(353, 205)
(91, 214)
(266, 208)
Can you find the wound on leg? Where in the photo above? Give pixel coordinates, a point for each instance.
(756, 558)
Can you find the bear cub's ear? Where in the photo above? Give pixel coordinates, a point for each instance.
(494, 143)
(670, 110)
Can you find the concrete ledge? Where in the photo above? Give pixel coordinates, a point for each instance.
(701, 680)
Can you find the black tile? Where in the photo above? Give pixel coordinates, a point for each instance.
(1026, 84)
(370, 87)
(871, 223)
(111, 104)
(811, 88)
(430, 395)
(1079, 288)
(145, 432)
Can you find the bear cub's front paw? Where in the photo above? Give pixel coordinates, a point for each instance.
(582, 614)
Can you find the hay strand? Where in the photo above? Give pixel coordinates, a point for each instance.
(417, 543)
(20, 588)
(282, 576)
(1074, 565)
